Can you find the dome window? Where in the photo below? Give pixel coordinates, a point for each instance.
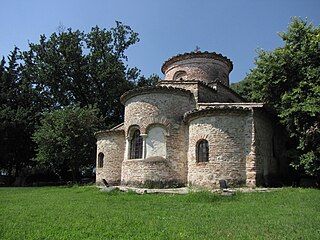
(180, 75)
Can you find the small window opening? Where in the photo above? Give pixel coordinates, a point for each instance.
(203, 151)
(100, 160)
(136, 145)
(180, 75)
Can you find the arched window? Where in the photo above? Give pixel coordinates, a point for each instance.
(180, 75)
(136, 145)
(100, 160)
(202, 151)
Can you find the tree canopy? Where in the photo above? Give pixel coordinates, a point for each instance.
(73, 67)
(288, 78)
(65, 140)
(19, 113)
(63, 75)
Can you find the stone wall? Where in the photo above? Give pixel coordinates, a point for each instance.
(204, 69)
(172, 168)
(191, 86)
(201, 91)
(251, 170)
(194, 102)
(139, 172)
(229, 136)
(226, 94)
(148, 111)
(206, 93)
(177, 149)
(156, 142)
(149, 108)
(112, 145)
(265, 162)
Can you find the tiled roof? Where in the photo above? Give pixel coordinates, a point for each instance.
(211, 109)
(206, 54)
(193, 81)
(152, 89)
(117, 129)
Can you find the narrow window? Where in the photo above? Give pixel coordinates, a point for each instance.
(202, 151)
(136, 145)
(100, 160)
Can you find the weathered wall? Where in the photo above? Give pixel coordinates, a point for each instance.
(204, 69)
(229, 137)
(213, 92)
(112, 145)
(177, 151)
(208, 94)
(156, 142)
(149, 108)
(164, 110)
(192, 86)
(240, 135)
(266, 163)
(138, 172)
(226, 94)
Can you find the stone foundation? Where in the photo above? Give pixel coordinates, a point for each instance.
(150, 171)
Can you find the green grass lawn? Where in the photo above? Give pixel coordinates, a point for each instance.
(86, 213)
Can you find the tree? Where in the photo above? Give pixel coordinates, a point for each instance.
(18, 116)
(150, 81)
(65, 140)
(288, 78)
(71, 67)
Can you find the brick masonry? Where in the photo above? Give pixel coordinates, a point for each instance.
(194, 102)
(159, 109)
(112, 145)
(198, 66)
(229, 137)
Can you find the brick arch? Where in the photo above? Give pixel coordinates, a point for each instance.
(180, 75)
(152, 125)
(207, 137)
(195, 140)
(132, 128)
(132, 121)
(154, 121)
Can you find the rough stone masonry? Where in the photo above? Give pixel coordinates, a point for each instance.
(191, 129)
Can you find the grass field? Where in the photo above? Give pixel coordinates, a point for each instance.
(86, 213)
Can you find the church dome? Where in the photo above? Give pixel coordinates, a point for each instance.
(204, 66)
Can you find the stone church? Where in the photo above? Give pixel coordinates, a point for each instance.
(191, 129)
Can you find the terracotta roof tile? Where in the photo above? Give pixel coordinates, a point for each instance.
(205, 54)
(137, 91)
(211, 109)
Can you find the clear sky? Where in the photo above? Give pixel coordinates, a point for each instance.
(234, 28)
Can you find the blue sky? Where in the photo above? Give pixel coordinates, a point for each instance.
(234, 28)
